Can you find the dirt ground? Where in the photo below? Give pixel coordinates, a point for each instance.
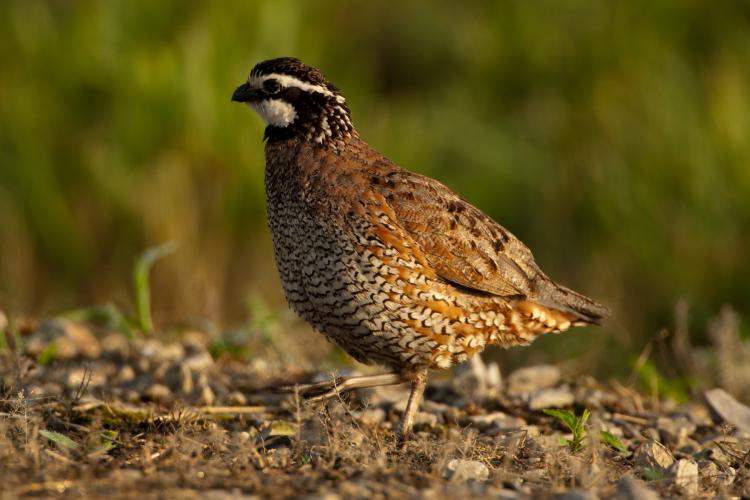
(86, 412)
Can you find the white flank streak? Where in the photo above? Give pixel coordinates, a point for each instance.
(275, 112)
(290, 81)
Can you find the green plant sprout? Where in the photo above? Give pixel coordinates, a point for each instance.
(575, 424)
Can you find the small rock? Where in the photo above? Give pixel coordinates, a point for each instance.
(532, 378)
(159, 393)
(372, 416)
(712, 474)
(159, 352)
(496, 421)
(51, 389)
(729, 409)
(629, 488)
(686, 476)
(727, 451)
(461, 471)
(199, 361)
(476, 379)
(71, 340)
(125, 374)
(179, 378)
(236, 398)
(653, 454)
(435, 407)
(677, 429)
(207, 396)
(116, 345)
(426, 419)
(549, 398)
(577, 494)
(82, 378)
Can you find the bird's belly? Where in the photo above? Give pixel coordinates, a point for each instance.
(382, 309)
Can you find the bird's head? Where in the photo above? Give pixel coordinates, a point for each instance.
(296, 100)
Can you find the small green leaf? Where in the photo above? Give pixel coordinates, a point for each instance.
(107, 439)
(653, 474)
(564, 416)
(283, 428)
(615, 443)
(60, 439)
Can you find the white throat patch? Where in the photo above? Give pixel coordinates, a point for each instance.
(275, 112)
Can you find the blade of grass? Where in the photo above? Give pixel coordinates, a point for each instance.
(142, 283)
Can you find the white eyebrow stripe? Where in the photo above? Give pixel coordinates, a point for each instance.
(289, 81)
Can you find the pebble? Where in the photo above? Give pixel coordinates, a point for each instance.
(729, 409)
(532, 378)
(576, 494)
(496, 421)
(160, 352)
(179, 378)
(653, 454)
(159, 393)
(629, 488)
(236, 398)
(71, 340)
(476, 379)
(116, 345)
(424, 418)
(549, 398)
(125, 374)
(372, 416)
(207, 396)
(686, 476)
(198, 361)
(461, 471)
(713, 475)
(676, 428)
(78, 377)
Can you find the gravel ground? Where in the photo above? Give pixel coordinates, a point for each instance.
(92, 413)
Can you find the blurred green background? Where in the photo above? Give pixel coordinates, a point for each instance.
(612, 137)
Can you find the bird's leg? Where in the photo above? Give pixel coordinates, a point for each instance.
(418, 384)
(334, 388)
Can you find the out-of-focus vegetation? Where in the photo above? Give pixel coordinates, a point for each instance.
(612, 137)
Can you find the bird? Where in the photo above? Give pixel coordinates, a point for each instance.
(390, 265)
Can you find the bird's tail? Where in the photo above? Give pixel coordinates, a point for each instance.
(581, 309)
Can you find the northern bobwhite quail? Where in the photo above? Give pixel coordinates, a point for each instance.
(390, 265)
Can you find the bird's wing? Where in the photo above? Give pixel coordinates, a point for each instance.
(463, 244)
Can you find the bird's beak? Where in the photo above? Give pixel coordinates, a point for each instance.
(245, 93)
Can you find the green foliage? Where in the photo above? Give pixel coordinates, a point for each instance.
(48, 355)
(575, 424)
(611, 440)
(654, 382)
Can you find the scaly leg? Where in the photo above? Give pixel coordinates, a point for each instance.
(418, 384)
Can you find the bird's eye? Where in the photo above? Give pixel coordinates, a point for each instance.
(271, 86)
